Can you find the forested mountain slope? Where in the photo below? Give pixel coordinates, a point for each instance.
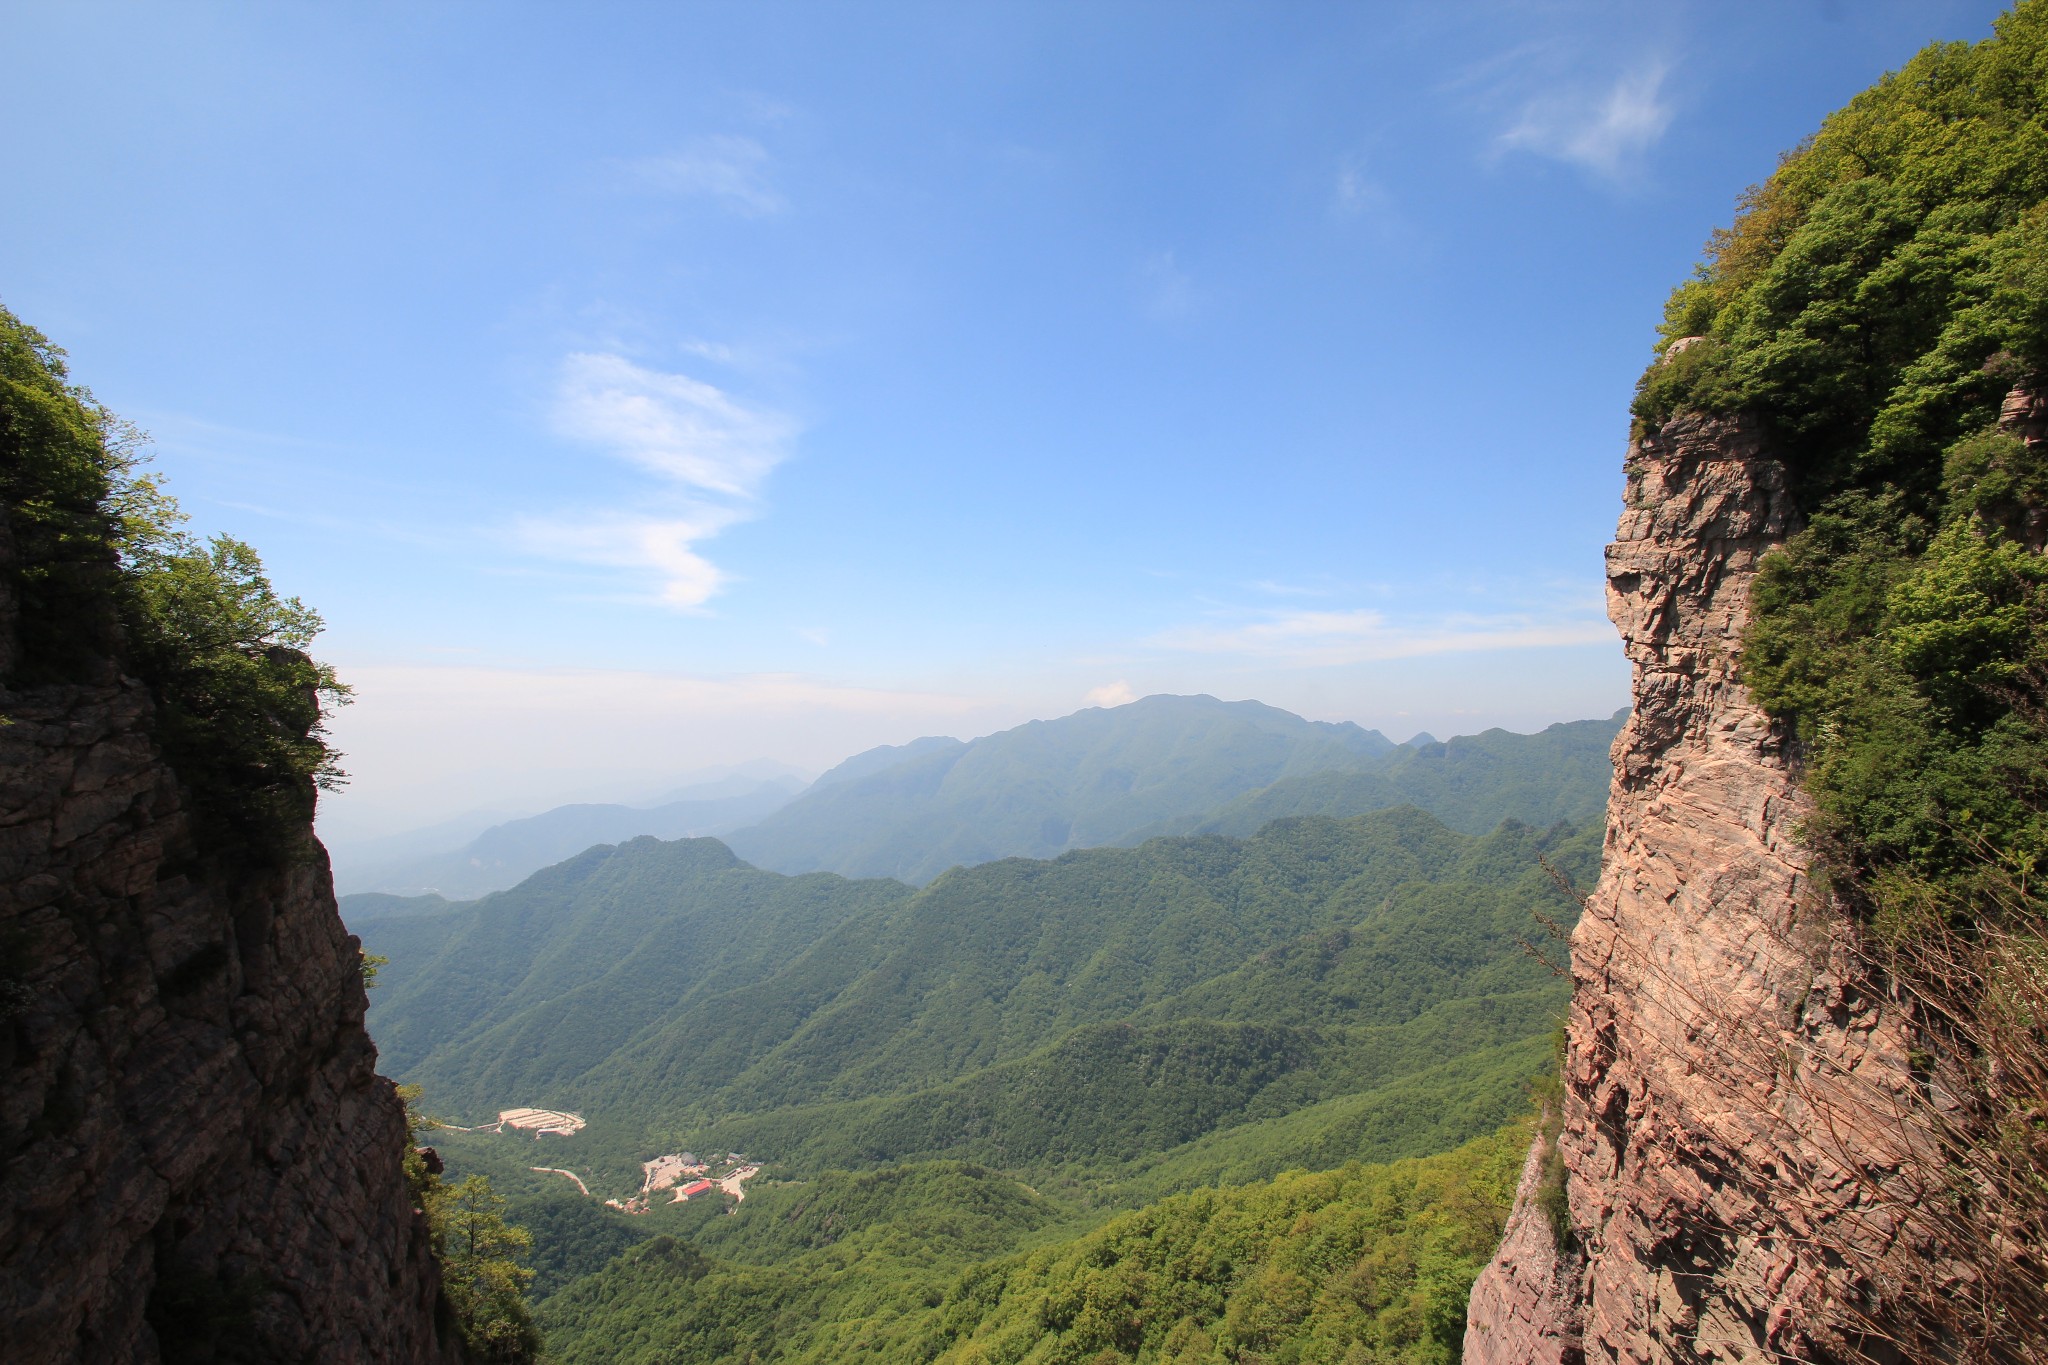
(1162, 765)
(570, 963)
(1087, 1014)
(905, 1264)
(1471, 783)
(1076, 782)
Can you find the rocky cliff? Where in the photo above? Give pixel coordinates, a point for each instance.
(200, 1160)
(1725, 1066)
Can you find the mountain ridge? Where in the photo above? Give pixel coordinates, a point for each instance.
(672, 987)
(1100, 777)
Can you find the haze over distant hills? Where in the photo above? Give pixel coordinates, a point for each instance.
(506, 854)
(1162, 765)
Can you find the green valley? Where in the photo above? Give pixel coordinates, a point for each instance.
(937, 1081)
(672, 989)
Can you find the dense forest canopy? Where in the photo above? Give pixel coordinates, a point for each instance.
(1359, 1263)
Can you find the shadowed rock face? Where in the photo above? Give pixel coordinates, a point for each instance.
(1721, 1046)
(199, 1159)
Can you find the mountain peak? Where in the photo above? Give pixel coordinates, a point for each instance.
(1101, 776)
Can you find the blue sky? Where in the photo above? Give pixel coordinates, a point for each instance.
(638, 389)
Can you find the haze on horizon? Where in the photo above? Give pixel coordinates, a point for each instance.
(641, 390)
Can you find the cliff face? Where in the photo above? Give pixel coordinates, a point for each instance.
(1721, 1052)
(1524, 1309)
(200, 1161)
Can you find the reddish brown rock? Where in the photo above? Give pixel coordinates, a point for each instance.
(195, 1141)
(1724, 1060)
(1522, 1308)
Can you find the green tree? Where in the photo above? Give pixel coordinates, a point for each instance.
(481, 1270)
(59, 454)
(479, 1252)
(241, 705)
(105, 581)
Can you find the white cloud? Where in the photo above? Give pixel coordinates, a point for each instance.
(725, 167)
(1314, 638)
(715, 351)
(662, 545)
(712, 452)
(1606, 131)
(1118, 693)
(671, 424)
(1275, 588)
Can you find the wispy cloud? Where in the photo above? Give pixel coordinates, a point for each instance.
(1605, 128)
(662, 546)
(732, 170)
(1274, 588)
(1362, 635)
(711, 452)
(671, 424)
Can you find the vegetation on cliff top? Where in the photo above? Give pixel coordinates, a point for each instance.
(101, 576)
(1872, 305)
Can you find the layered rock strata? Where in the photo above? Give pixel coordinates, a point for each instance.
(1524, 1308)
(200, 1162)
(1730, 1138)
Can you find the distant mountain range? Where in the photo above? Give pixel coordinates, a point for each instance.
(1471, 783)
(1246, 985)
(1165, 765)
